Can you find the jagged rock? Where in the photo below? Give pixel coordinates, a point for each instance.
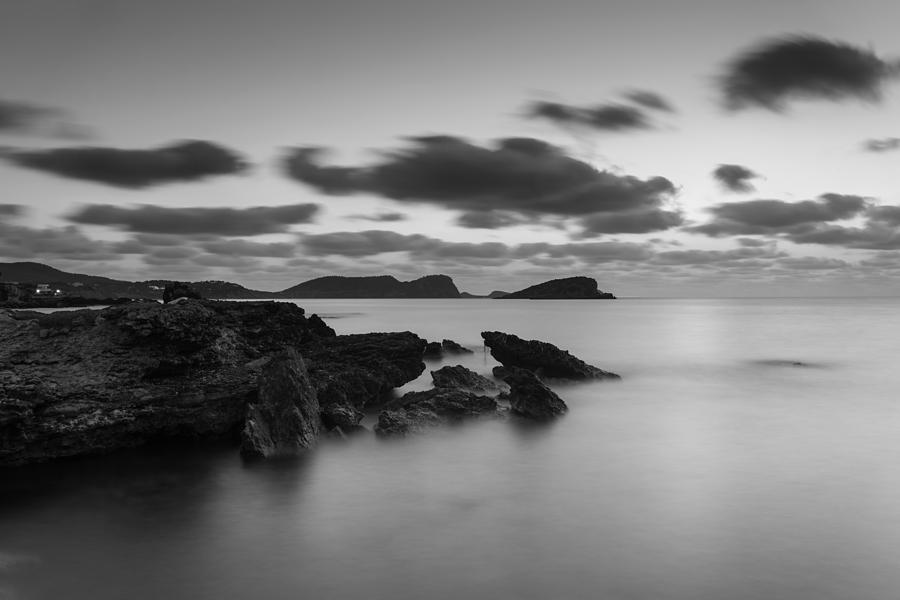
(91, 381)
(179, 289)
(530, 398)
(463, 378)
(358, 370)
(417, 411)
(451, 347)
(284, 418)
(341, 416)
(546, 360)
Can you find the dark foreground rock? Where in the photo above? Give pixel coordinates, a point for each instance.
(90, 381)
(546, 360)
(462, 378)
(529, 397)
(284, 418)
(418, 411)
(351, 372)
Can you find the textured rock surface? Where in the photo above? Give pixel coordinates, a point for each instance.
(89, 381)
(284, 419)
(569, 288)
(354, 371)
(546, 360)
(530, 398)
(418, 411)
(460, 377)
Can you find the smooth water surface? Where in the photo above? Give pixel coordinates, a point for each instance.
(716, 469)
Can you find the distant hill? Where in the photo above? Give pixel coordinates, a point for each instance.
(497, 294)
(384, 286)
(92, 286)
(570, 288)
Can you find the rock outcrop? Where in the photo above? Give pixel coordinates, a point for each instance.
(546, 360)
(179, 289)
(89, 381)
(451, 347)
(570, 288)
(529, 397)
(284, 418)
(351, 372)
(418, 411)
(459, 377)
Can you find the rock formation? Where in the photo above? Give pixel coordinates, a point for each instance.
(570, 288)
(459, 377)
(529, 397)
(89, 381)
(546, 360)
(418, 411)
(284, 418)
(384, 286)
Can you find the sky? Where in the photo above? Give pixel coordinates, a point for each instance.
(695, 148)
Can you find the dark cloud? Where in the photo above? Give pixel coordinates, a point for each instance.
(148, 218)
(491, 219)
(641, 221)
(23, 117)
(803, 67)
(735, 178)
(248, 248)
(882, 144)
(181, 161)
(605, 117)
(19, 242)
(526, 177)
(761, 217)
(702, 257)
(11, 210)
(650, 100)
(811, 263)
(385, 217)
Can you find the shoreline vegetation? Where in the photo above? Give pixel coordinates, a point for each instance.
(34, 285)
(261, 374)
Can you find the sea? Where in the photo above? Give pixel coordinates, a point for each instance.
(751, 451)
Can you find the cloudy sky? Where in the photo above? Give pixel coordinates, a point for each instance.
(693, 148)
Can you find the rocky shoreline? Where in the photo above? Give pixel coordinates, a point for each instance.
(92, 381)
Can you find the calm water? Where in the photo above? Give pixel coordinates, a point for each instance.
(712, 471)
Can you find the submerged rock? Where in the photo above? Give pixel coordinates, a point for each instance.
(284, 418)
(460, 377)
(546, 360)
(417, 411)
(529, 397)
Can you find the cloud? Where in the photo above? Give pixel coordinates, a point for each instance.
(604, 117)
(147, 218)
(385, 217)
(19, 242)
(640, 221)
(26, 118)
(811, 263)
(651, 100)
(181, 161)
(882, 144)
(248, 248)
(703, 257)
(778, 70)
(491, 219)
(761, 217)
(11, 210)
(524, 177)
(734, 178)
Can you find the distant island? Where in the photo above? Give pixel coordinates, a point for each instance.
(569, 288)
(36, 285)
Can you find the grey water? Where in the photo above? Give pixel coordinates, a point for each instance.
(717, 468)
